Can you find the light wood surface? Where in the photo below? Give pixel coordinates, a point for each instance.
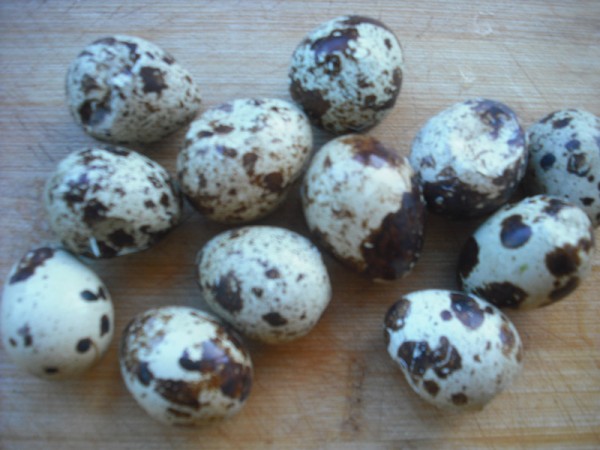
(336, 388)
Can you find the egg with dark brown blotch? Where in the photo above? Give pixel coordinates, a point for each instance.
(56, 315)
(109, 201)
(184, 367)
(470, 158)
(347, 73)
(564, 159)
(455, 350)
(362, 202)
(529, 254)
(268, 282)
(126, 90)
(240, 159)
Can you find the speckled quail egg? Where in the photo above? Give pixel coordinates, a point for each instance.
(564, 159)
(456, 351)
(362, 202)
(268, 282)
(346, 74)
(124, 89)
(470, 158)
(184, 367)
(104, 202)
(56, 315)
(240, 158)
(529, 254)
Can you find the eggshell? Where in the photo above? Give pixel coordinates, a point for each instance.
(124, 89)
(529, 254)
(564, 159)
(362, 202)
(104, 202)
(268, 282)
(470, 158)
(347, 73)
(184, 367)
(56, 315)
(456, 351)
(240, 159)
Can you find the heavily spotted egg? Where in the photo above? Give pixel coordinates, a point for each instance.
(529, 254)
(470, 158)
(109, 201)
(56, 315)
(184, 367)
(240, 158)
(455, 350)
(346, 74)
(124, 89)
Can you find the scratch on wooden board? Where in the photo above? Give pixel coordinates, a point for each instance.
(524, 71)
(353, 418)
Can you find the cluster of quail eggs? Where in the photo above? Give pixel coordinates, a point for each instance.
(363, 203)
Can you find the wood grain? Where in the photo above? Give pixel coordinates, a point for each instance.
(336, 388)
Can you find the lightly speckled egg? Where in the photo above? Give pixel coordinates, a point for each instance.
(56, 315)
(268, 282)
(104, 202)
(564, 159)
(347, 73)
(184, 367)
(470, 158)
(529, 254)
(456, 351)
(363, 203)
(239, 159)
(124, 89)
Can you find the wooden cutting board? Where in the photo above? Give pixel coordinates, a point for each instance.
(336, 388)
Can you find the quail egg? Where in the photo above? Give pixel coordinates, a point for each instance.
(124, 89)
(564, 159)
(268, 282)
(240, 158)
(346, 74)
(529, 254)
(470, 158)
(184, 367)
(56, 315)
(363, 203)
(456, 351)
(104, 202)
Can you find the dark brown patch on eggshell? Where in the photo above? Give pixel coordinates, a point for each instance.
(565, 260)
(431, 387)
(29, 263)
(396, 315)
(418, 357)
(313, 102)
(507, 338)
(83, 345)
(25, 333)
(274, 182)
(51, 370)
(493, 114)
(121, 239)
(371, 152)
(469, 257)
(228, 293)
(391, 250)
(561, 123)
(467, 310)
(514, 233)
(93, 212)
(143, 373)
(90, 296)
(564, 290)
(502, 294)
(153, 79)
(554, 206)
(459, 399)
(275, 319)
(179, 392)
(104, 325)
